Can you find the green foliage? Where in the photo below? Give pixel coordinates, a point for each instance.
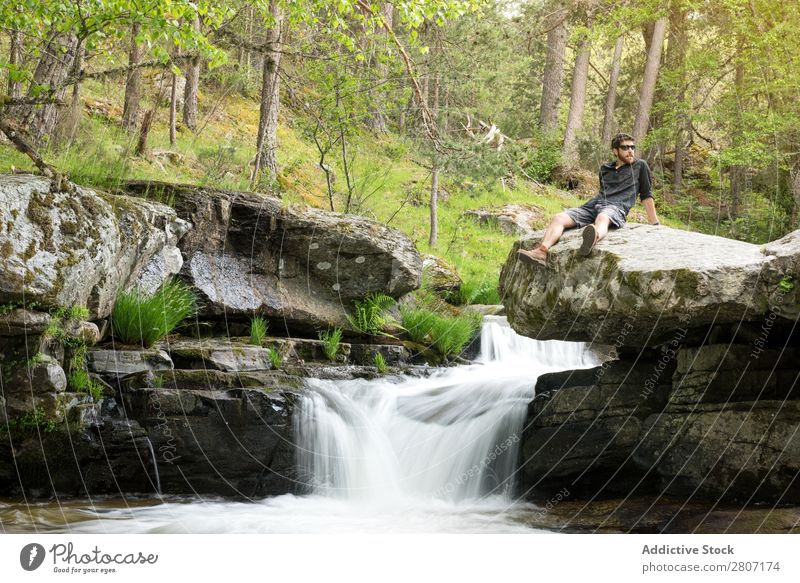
(370, 314)
(330, 342)
(275, 358)
(380, 363)
(33, 420)
(139, 319)
(258, 330)
(450, 335)
(786, 284)
(417, 323)
(478, 292)
(80, 381)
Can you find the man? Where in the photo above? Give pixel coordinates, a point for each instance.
(620, 181)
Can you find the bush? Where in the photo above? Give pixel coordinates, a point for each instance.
(474, 292)
(418, 322)
(450, 335)
(258, 330)
(370, 314)
(330, 342)
(144, 320)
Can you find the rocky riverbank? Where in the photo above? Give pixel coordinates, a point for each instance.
(701, 401)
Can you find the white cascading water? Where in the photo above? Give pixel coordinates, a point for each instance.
(432, 454)
(452, 436)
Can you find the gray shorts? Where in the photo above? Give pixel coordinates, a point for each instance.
(587, 213)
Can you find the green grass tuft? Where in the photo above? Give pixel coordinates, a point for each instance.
(275, 358)
(258, 330)
(380, 363)
(418, 323)
(330, 342)
(143, 320)
(478, 292)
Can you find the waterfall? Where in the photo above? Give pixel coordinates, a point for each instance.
(155, 466)
(395, 454)
(453, 436)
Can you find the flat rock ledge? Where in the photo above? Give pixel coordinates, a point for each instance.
(645, 282)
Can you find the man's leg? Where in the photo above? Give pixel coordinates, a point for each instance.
(556, 228)
(594, 232)
(551, 236)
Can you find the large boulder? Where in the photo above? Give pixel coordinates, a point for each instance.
(441, 276)
(642, 283)
(511, 219)
(81, 248)
(252, 253)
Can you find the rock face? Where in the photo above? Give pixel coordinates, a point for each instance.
(649, 281)
(81, 249)
(236, 442)
(709, 422)
(441, 276)
(250, 253)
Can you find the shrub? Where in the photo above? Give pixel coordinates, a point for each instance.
(380, 363)
(141, 319)
(477, 292)
(258, 329)
(30, 421)
(450, 335)
(275, 358)
(417, 322)
(330, 342)
(370, 314)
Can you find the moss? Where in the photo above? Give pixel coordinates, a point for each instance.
(30, 251)
(6, 250)
(69, 228)
(610, 265)
(686, 283)
(39, 213)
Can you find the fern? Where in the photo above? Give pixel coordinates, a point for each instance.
(370, 314)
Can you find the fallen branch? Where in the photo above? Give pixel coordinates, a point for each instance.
(6, 100)
(16, 137)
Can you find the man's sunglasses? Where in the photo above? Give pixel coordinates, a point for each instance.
(626, 147)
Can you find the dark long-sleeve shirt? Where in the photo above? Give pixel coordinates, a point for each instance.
(619, 186)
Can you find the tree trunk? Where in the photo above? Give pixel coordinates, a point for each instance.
(144, 131)
(675, 62)
(611, 96)
(434, 234)
(173, 110)
(378, 97)
(640, 125)
(553, 77)
(192, 85)
(15, 61)
(68, 123)
(266, 144)
(51, 71)
(738, 172)
(133, 83)
(577, 100)
(794, 175)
